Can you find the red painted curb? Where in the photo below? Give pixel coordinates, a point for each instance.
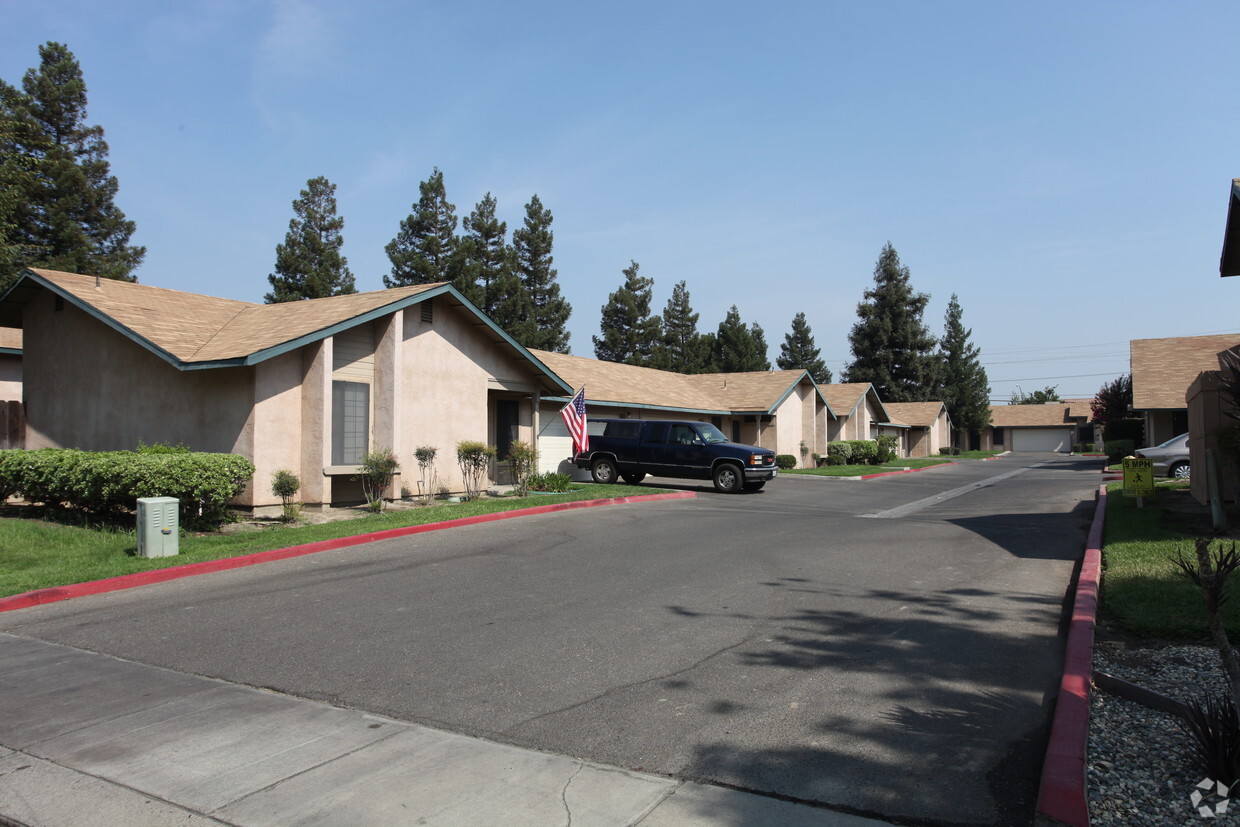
(906, 471)
(1062, 795)
(143, 578)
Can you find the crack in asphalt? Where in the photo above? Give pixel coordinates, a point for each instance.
(564, 794)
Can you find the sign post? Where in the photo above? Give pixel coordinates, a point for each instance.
(1138, 478)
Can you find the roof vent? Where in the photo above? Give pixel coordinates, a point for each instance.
(428, 311)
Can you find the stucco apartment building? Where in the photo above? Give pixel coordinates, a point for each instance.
(1162, 371)
(305, 386)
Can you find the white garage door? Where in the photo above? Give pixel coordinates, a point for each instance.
(1041, 439)
(555, 447)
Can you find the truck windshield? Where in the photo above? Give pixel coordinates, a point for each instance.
(711, 434)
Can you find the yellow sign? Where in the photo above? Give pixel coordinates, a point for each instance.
(1138, 477)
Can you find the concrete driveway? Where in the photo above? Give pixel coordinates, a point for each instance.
(888, 648)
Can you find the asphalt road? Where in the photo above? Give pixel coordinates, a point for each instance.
(890, 648)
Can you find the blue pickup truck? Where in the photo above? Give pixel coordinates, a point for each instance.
(632, 448)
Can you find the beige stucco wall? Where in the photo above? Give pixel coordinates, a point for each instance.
(450, 372)
(1207, 407)
(86, 386)
(1158, 427)
(10, 377)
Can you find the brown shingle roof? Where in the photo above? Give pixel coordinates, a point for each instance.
(1031, 416)
(844, 397)
(10, 337)
(917, 414)
(195, 328)
(629, 384)
(1162, 369)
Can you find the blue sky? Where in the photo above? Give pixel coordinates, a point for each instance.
(1063, 167)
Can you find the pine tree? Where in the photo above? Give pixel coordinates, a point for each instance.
(484, 257)
(58, 207)
(892, 349)
(738, 347)
(531, 246)
(309, 264)
(683, 349)
(799, 353)
(425, 248)
(963, 386)
(630, 333)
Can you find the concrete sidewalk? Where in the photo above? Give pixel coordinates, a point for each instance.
(88, 739)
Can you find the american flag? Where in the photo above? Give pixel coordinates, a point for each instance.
(574, 414)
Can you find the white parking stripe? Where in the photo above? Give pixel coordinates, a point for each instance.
(926, 502)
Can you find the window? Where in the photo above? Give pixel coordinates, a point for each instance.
(998, 437)
(350, 422)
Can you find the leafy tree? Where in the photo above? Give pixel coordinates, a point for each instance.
(892, 349)
(309, 264)
(963, 385)
(1047, 394)
(738, 347)
(424, 250)
(799, 353)
(683, 349)
(549, 312)
(57, 193)
(1114, 400)
(630, 333)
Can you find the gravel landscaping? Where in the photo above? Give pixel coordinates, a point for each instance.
(1138, 766)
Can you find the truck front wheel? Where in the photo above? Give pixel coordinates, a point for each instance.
(603, 471)
(728, 479)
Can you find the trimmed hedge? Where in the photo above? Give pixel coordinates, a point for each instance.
(888, 447)
(107, 483)
(1118, 448)
(858, 452)
(785, 461)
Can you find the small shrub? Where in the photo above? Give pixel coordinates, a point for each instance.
(425, 456)
(818, 458)
(785, 461)
(888, 448)
(161, 448)
(473, 457)
(523, 460)
(1214, 727)
(285, 485)
(1082, 447)
(1133, 429)
(949, 451)
(377, 468)
(839, 453)
(1117, 449)
(864, 452)
(551, 481)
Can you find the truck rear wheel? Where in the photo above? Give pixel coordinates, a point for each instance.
(633, 479)
(603, 471)
(728, 479)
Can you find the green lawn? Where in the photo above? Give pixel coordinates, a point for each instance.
(865, 470)
(38, 554)
(976, 454)
(1141, 587)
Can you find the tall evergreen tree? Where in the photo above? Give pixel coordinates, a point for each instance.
(798, 352)
(683, 349)
(892, 349)
(531, 246)
(425, 248)
(309, 264)
(58, 209)
(484, 256)
(630, 333)
(963, 385)
(739, 347)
